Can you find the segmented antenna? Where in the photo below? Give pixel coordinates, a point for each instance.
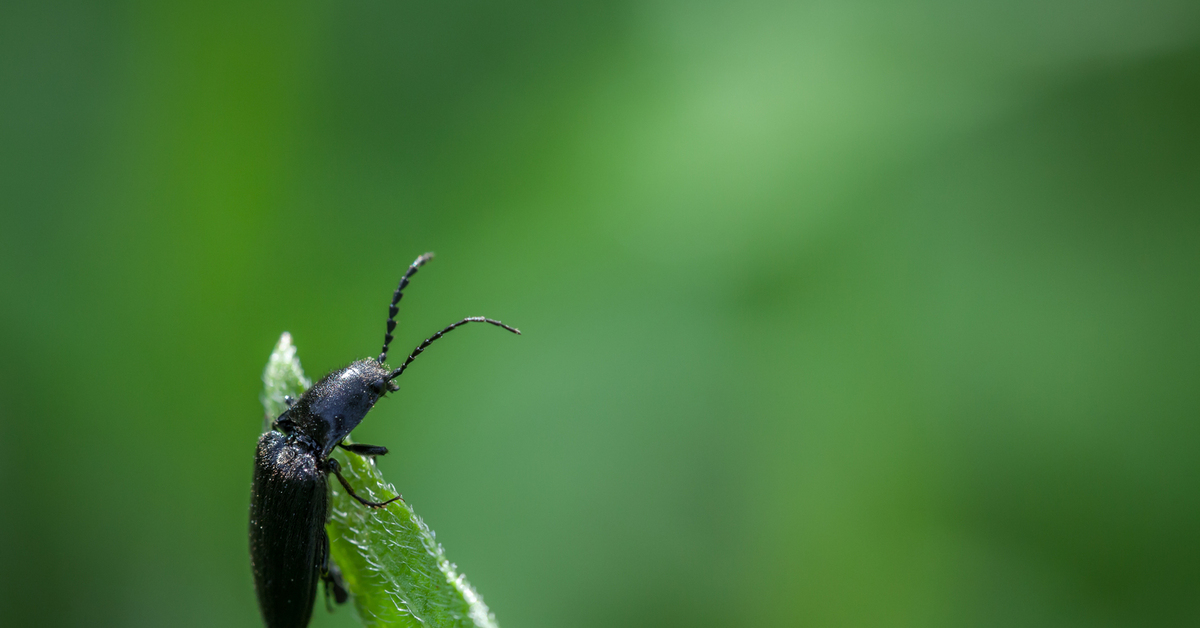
(396, 296)
(421, 347)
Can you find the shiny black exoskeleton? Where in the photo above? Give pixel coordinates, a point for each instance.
(289, 498)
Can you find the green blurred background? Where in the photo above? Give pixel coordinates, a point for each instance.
(835, 313)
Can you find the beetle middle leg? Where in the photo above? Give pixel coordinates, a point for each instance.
(336, 468)
(365, 450)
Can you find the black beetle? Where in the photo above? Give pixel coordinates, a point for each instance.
(289, 499)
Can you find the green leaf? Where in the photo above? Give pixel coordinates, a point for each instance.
(282, 378)
(393, 565)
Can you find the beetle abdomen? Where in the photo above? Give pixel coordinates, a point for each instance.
(287, 527)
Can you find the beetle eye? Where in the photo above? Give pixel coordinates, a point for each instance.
(377, 386)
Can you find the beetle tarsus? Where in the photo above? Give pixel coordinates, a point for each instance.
(335, 585)
(337, 470)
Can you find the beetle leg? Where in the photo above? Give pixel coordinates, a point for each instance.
(332, 577)
(325, 579)
(333, 465)
(365, 450)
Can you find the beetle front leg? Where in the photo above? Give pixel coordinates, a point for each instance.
(336, 468)
(365, 450)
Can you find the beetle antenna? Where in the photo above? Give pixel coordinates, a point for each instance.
(396, 296)
(421, 347)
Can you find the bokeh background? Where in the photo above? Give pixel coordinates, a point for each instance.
(835, 313)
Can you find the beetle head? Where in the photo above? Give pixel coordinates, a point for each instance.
(334, 406)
